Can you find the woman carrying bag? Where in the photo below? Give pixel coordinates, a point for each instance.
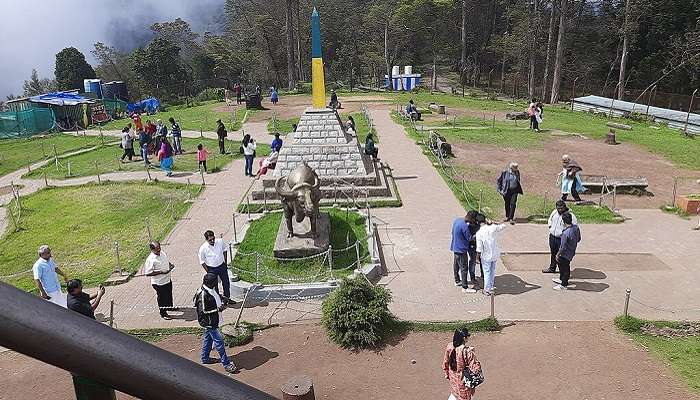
(461, 367)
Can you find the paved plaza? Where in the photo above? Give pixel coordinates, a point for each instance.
(654, 254)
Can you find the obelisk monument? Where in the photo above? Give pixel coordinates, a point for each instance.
(318, 85)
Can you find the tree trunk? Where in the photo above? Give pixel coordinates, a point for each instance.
(463, 58)
(532, 50)
(291, 73)
(389, 86)
(623, 59)
(559, 60)
(550, 37)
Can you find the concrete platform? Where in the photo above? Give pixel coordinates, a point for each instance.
(302, 243)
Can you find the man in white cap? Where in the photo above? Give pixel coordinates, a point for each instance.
(46, 279)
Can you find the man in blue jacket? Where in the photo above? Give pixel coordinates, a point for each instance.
(567, 250)
(461, 235)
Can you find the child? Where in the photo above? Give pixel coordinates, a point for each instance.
(202, 154)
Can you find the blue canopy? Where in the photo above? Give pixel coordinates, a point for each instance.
(60, 99)
(149, 105)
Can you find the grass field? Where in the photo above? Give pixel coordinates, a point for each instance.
(261, 238)
(107, 159)
(656, 138)
(191, 119)
(86, 221)
(283, 126)
(681, 353)
(17, 153)
(530, 206)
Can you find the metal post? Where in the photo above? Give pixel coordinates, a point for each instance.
(201, 173)
(119, 265)
(148, 227)
(330, 260)
(46, 181)
(111, 313)
(544, 203)
(627, 301)
(264, 200)
(357, 253)
(614, 197)
(230, 253)
(481, 198)
(493, 305)
(675, 185)
(493, 125)
(69, 173)
(29, 166)
(690, 107)
(247, 200)
(235, 233)
(148, 172)
(97, 170)
(257, 267)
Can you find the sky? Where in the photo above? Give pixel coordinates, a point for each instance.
(33, 31)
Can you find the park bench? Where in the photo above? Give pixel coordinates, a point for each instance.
(603, 184)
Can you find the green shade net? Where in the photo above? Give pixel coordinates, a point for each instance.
(26, 123)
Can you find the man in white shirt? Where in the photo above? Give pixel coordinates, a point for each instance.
(45, 273)
(488, 252)
(212, 257)
(158, 267)
(556, 227)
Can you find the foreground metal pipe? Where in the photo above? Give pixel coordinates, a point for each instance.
(68, 340)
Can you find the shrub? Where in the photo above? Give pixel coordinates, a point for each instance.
(356, 315)
(210, 94)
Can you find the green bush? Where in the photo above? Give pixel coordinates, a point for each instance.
(356, 315)
(210, 94)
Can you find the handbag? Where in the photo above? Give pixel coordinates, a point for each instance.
(469, 378)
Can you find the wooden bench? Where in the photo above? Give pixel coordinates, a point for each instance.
(604, 184)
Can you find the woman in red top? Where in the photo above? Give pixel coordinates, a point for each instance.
(457, 358)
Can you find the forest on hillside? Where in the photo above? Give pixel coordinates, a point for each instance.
(528, 48)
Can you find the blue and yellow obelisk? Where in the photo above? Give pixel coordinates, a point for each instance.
(318, 85)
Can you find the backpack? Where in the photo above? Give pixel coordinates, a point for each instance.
(202, 317)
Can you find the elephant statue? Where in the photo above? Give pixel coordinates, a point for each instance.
(300, 192)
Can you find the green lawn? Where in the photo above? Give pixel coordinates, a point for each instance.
(656, 138)
(261, 238)
(191, 119)
(682, 354)
(529, 206)
(17, 153)
(283, 126)
(107, 161)
(82, 223)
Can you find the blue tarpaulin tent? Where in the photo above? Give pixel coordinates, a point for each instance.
(61, 99)
(149, 105)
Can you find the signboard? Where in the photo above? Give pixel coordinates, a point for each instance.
(98, 113)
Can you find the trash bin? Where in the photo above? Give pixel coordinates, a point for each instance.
(253, 101)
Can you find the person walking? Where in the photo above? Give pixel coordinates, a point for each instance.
(127, 143)
(488, 252)
(221, 134)
(249, 146)
(276, 144)
(158, 267)
(202, 155)
(45, 272)
(82, 302)
(508, 185)
(144, 140)
(165, 157)
(177, 135)
(239, 92)
(209, 306)
(570, 178)
(461, 235)
(458, 359)
(213, 258)
(556, 227)
(567, 250)
(274, 96)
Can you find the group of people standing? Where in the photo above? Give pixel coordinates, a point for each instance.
(152, 140)
(535, 111)
(213, 257)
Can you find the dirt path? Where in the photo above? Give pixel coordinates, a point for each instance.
(540, 166)
(581, 360)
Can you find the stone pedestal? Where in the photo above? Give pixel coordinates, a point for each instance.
(303, 244)
(298, 388)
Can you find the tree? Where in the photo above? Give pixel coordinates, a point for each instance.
(112, 64)
(550, 35)
(291, 72)
(72, 69)
(559, 59)
(158, 70)
(35, 86)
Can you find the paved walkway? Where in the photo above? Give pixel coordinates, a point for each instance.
(416, 244)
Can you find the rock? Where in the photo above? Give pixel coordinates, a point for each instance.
(517, 115)
(619, 126)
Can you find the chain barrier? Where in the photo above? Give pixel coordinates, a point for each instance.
(664, 309)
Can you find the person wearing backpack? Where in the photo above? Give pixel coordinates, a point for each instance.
(209, 306)
(461, 367)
